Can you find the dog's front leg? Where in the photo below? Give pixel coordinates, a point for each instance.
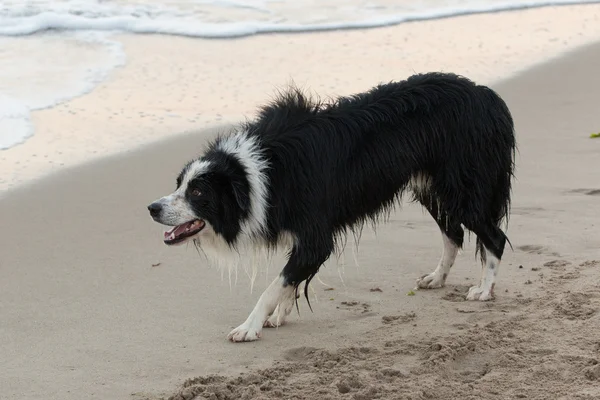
(281, 313)
(305, 260)
(278, 293)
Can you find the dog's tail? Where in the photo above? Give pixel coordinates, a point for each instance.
(500, 214)
(500, 204)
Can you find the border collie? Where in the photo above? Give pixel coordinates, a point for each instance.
(305, 172)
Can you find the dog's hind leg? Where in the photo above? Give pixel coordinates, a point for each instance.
(452, 237)
(437, 278)
(490, 243)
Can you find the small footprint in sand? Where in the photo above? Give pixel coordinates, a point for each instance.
(536, 249)
(589, 192)
(389, 319)
(457, 294)
(556, 264)
(526, 210)
(354, 305)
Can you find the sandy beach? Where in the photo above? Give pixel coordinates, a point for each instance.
(173, 84)
(94, 306)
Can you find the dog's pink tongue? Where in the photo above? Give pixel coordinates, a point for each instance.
(176, 231)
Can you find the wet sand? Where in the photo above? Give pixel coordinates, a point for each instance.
(93, 305)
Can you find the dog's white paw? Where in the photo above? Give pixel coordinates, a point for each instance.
(432, 281)
(478, 293)
(274, 322)
(276, 319)
(244, 333)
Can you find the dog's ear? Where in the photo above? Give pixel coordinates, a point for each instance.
(241, 194)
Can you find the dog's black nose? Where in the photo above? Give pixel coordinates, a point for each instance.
(155, 209)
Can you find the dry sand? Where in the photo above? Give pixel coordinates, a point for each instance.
(173, 84)
(94, 306)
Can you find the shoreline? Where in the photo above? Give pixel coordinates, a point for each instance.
(209, 131)
(171, 85)
(381, 22)
(88, 309)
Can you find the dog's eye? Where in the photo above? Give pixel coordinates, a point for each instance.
(196, 192)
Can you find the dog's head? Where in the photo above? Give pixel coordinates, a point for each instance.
(212, 198)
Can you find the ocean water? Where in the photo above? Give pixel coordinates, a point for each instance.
(43, 70)
(54, 50)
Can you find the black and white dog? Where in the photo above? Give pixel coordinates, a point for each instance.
(304, 173)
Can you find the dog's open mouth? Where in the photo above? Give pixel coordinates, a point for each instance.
(181, 232)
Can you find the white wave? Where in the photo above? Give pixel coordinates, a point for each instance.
(41, 72)
(194, 20)
(40, 76)
(15, 125)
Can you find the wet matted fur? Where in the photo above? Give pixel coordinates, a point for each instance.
(304, 173)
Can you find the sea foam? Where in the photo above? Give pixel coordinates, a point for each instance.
(15, 125)
(227, 19)
(43, 71)
(31, 30)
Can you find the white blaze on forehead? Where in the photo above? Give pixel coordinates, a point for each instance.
(194, 170)
(177, 209)
(246, 149)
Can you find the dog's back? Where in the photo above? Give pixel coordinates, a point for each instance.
(449, 140)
